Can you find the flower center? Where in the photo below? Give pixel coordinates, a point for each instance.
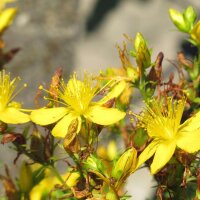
(163, 123)
(78, 94)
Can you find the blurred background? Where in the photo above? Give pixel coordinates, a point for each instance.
(80, 35)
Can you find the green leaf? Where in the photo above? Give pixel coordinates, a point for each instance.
(140, 137)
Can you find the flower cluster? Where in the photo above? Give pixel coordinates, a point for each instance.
(85, 119)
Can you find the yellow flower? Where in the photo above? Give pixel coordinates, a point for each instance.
(9, 110)
(167, 133)
(42, 190)
(6, 15)
(76, 97)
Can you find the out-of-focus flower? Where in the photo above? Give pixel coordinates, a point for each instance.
(164, 127)
(25, 179)
(6, 15)
(45, 186)
(10, 111)
(76, 96)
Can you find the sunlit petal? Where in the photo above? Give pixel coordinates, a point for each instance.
(189, 141)
(104, 116)
(13, 116)
(115, 92)
(147, 153)
(162, 155)
(45, 116)
(61, 128)
(192, 123)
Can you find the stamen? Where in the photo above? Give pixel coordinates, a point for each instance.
(50, 99)
(18, 91)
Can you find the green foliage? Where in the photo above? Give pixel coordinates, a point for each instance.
(166, 128)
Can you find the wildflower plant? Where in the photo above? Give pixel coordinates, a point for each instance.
(82, 122)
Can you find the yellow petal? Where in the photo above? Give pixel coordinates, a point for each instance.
(71, 178)
(164, 152)
(6, 18)
(45, 116)
(115, 92)
(42, 189)
(61, 128)
(147, 153)
(13, 116)
(189, 141)
(104, 116)
(192, 123)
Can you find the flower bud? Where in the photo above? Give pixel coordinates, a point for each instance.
(139, 39)
(190, 15)
(178, 20)
(25, 179)
(183, 21)
(125, 164)
(142, 54)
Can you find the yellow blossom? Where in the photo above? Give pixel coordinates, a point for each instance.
(76, 97)
(42, 190)
(167, 133)
(9, 110)
(6, 15)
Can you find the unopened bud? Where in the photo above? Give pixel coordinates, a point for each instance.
(142, 54)
(190, 15)
(125, 164)
(183, 21)
(178, 20)
(139, 39)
